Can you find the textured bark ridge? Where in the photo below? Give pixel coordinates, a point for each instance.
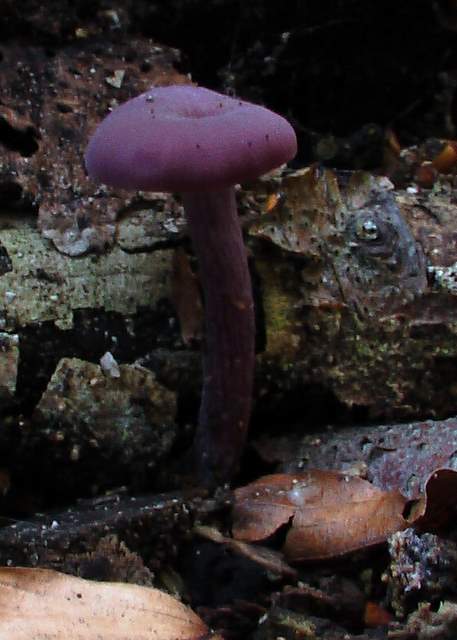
(361, 299)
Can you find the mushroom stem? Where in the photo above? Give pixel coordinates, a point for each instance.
(228, 361)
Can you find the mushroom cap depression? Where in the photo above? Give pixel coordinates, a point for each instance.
(185, 138)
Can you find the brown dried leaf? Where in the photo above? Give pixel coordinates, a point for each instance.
(353, 232)
(39, 603)
(269, 559)
(301, 221)
(375, 615)
(330, 513)
(438, 506)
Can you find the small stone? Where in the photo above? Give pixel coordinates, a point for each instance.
(130, 418)
(116, 79)
(109, 365)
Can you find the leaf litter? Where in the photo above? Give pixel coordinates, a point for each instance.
(41, 603)
(328, 514)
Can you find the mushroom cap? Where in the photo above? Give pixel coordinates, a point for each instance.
(186, 138)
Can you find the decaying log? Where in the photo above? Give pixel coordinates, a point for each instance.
(88, 537)
(355, 284)
(388, 346)
(366, 310)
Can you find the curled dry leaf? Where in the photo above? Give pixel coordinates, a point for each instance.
(446, 159)
(39, 603)
(437, 507)
(330, 513)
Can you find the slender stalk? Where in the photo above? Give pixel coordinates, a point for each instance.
(228, 361)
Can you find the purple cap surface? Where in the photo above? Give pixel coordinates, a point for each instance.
(185, 138)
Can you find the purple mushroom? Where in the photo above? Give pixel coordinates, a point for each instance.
(201, 143)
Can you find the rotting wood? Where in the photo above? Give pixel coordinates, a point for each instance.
(150, 525)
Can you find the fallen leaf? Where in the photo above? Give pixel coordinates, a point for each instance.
(437, 507)
(40, 603)
(375, 615)
(330, 513)
(269, 559)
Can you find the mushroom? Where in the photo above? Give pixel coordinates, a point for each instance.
(201, 143)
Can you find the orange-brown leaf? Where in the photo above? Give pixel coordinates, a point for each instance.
(39, 603)
(330, 513)
(446, 159)
(375, 615)
(438, 506)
